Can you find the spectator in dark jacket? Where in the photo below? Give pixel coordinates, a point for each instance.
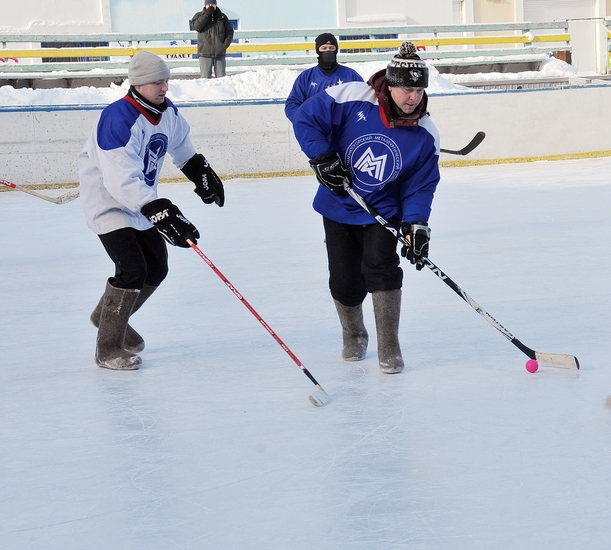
(214, 35)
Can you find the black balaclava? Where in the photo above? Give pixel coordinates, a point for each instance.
(327, 61)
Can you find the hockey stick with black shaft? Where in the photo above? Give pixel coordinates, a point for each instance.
(62, 199)
(320, 396)
(552, 359)
(479, 137)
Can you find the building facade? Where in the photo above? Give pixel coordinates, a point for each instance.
(146, 16)
(588, 35)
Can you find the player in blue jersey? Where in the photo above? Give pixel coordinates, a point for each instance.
(378, 138)
(119, 170)
(328, 72)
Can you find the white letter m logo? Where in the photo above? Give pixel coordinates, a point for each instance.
(374, 166)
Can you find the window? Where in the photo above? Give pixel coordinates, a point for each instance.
(73, 45)
(344, 49)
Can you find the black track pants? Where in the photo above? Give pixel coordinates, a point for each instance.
(139, 256)
(362, 259)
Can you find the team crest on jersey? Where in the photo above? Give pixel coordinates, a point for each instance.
(375, 159)
(155, 150)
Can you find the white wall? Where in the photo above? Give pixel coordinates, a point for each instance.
(254, 139)
(164, 15)
(57, 17)
(356, 13)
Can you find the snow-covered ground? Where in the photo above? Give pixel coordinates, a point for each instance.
(214, 444)
(260, 83)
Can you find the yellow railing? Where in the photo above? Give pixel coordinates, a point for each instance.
(278, 47)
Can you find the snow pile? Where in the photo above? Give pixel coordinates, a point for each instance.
(550, 68)
(258, 83)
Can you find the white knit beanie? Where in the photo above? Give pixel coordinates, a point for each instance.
(145, 68)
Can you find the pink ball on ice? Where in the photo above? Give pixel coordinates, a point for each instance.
(532, 365)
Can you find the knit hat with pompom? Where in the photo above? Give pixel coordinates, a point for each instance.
(406, 69)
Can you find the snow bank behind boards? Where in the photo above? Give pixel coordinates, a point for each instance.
(40, 145)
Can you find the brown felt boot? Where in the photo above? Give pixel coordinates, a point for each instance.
(387, 310)
(116, 308)
(133, 341)
(353, 331)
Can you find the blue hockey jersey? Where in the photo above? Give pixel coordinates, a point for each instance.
(395, 169)
(314, 80)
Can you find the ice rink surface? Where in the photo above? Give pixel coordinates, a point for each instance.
(213, 443)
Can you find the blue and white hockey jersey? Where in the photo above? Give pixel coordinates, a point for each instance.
(395, 169)
(120, 163)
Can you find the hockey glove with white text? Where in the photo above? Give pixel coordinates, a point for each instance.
(331, 172)
(169, 221)
(207, 184)
(417, 236)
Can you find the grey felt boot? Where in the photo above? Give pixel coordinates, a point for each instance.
(353, 331)
(133, 341)
(116, 308)
(387, 311)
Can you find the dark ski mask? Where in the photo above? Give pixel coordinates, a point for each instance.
(327, 60)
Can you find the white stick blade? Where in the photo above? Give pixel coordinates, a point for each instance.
(319, 398)
(558, 360)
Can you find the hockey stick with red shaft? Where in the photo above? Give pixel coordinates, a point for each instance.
(479, 137)
(320, 396)
(552, 359)
(62, 199)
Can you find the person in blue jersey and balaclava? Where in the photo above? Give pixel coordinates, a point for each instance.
(328, 72)
(378, 138)
(119, 170)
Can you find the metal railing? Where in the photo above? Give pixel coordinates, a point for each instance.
(443, 45)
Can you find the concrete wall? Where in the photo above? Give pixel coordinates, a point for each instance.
(249, 138)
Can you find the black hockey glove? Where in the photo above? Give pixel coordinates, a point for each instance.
(207, 184)
(417, 236)
(170, 222)
(331, 172)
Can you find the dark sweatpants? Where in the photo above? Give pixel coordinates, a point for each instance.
(140, 257)
(362, 259)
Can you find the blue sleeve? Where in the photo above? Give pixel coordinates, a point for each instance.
(295, 98)
(315, 123)
(114, 127)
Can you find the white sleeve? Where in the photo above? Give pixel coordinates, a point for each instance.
(180, 147)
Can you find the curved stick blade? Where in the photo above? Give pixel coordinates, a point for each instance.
(319, 398)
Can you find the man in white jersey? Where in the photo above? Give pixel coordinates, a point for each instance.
(119, 170)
